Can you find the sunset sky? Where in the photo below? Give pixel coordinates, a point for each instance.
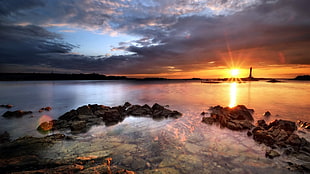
(156, 38)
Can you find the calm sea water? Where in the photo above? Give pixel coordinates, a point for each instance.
(178, 146)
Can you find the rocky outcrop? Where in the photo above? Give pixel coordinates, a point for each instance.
(236, 118)
(82, 118)
(16, 114)
(6, 106)
(279, 135)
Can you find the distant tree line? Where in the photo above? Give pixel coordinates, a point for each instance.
(56, 76)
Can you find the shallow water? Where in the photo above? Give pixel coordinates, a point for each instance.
(171, 145)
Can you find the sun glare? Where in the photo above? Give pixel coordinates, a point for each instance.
(233, 95)
(234, 72)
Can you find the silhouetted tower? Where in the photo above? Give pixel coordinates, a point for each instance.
(250, 76)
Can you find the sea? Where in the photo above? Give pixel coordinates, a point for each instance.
(183, 145)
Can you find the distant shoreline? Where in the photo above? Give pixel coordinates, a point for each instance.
(94, 76)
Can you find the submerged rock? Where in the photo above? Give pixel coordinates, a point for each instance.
(18, 113)
(48, 108)
(272, 154)
(81, 119)
(6, 106)
(236, 118)
(4, 137)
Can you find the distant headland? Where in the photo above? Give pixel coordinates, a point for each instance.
(56, 76)
(304, 77)
(95, 76)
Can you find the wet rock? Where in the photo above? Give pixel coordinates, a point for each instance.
(208, 120)
(262, 136)
(236, 118)
(137, 110)
(84, 110)
(71, 115)
(28, 145)
(78, 126)
(267, 114)
(6, 106)
(4, 137)
(303, 124)
(18, 113)
(138, 164)
(272, 154)
(159, 111)
(48, 108)
(286, 125)
(293, 140)
(192, 148)
(162, 171)
(96, 169)
(81, 119)
(262, 124)
(249, 133)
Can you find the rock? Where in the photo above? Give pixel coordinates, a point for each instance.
(203, 113)
(262, 136)
(138, 164)
(6, 106)
(159, 111)
(126, 105)
(208, 120)
(267, 114)
(284, 124)
(5, 137)
(18, 113)
(272, 154)
(45, 127)
(240, 112)
(262, 124)
(71, 115)
(165, 170)
(78, 126)
(137, 110)
(249, 133)
(84, 110)
(48, 108)
(293, 140)
(236, 118)
(238, 125)
(303, 124)
(81, 119)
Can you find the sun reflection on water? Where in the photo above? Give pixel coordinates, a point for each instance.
(233, 95)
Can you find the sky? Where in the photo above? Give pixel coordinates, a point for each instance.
(156, 38)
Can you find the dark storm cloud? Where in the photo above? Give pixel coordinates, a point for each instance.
(184, 35)
(25, 44)
(261, 32)
(14, 6)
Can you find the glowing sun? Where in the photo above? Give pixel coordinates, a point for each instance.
(234, 72)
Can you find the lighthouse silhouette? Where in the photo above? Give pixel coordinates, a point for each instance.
(250, 75)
